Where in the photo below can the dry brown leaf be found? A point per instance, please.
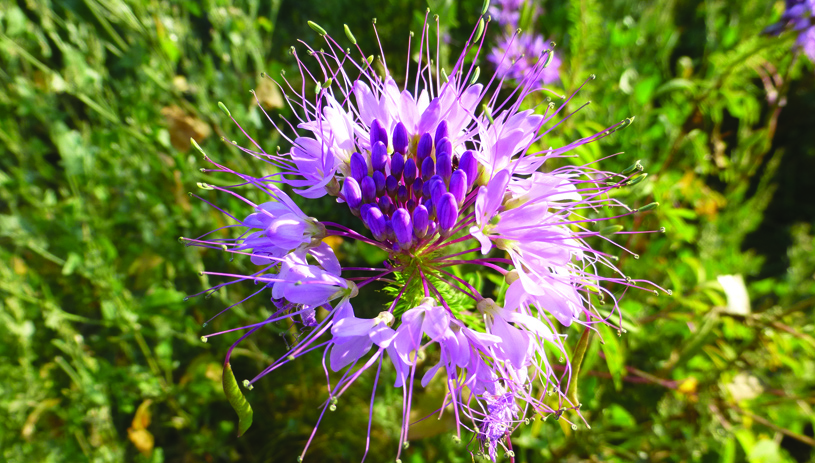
(138, 433)
(268, 94)
(183, 126)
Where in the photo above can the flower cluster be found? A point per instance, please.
(441, 182)
(799, 15)
(516, 52)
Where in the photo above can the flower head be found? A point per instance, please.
(443, 185)
(514, 56)
(799, 15)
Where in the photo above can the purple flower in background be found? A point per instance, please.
(444, 178)
(799, 15)
(514, 56)
(506, 13)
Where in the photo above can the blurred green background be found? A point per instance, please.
(100, 356)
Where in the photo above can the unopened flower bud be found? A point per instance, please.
(402, 194)
(421, 218)
(444, 165)
(428, 168)
(376, 222)
(469, 164)
(379, 156)
(443, 146)
(397, 165)
(368, 188)
(426, 189)
(359, 168)
(410, 171)
(379, 181)
(447, 212)
(363, 213)
(385, 204)
(437, 189)
(418, 186)
(400, 138)
(352, 193)
(403, 227)
(458, 185)
(378, 133)
(441, 132)
(424, 148)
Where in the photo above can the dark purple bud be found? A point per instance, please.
(444, 165)
(410, 171)
(352, 193)
(426, 189)
(368, 188)
(428, 204)
(469, 164)
(410, 204)
(418, 184)
(376, 222)
(391, 184)
(432, 228)
(397, 165)
(379, 181)
(441, 132)
(379, 156)
(428, 168)
(458, 185)
(385, 204)
(420, 220)
(389, 228)
(363, 213)
(402, 194)
(378, 133)
(424, 148)
(400, 138)
(443, 146)
(437, 189)
(359, 168)
(403, 227)
(447, 212)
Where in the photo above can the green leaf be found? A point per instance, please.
(616, 415)
(615, 358)
(577, 362)
(237, 400)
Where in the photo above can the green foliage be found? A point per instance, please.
(102, 358)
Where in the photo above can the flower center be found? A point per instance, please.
(411, 190)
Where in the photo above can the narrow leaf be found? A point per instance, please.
(577, 362)
(237, 400)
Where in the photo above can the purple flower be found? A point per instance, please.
(506, 13)
(799, 16)
(436, 181)
(514, 57)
